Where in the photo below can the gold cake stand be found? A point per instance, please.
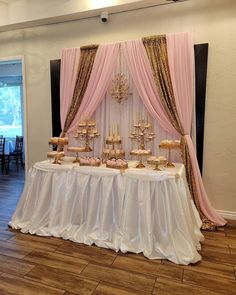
(169, 146)
(141, 155)
(78, 150)
(156, 161)
(57, 156)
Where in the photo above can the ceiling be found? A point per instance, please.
(18, 14)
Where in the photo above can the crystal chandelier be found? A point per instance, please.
(120, 85)
(120, 88)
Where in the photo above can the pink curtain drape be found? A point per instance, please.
(138, 64)
(180, 55)
(181, 65)
(100, 78)
(69, 68)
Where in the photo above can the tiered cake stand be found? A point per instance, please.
(114, 149)
(57, 155)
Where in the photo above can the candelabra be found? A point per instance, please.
(141, 135)
(86, 132)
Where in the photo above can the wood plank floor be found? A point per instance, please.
(44, 265)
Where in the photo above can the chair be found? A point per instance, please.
(17, 154)
(3, 156)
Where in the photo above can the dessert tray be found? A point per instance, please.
(117, 164)
(90, 161)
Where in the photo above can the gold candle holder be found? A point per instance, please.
(141, 135)
(86, 132)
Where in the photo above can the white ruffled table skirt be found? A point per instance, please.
(136, 211)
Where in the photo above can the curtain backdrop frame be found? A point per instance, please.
(201, 55)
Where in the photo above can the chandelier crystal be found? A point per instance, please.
(120, 88)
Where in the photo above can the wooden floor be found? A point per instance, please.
(37, 265)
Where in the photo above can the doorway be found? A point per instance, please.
(12, 113)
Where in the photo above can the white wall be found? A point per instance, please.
(211, 21)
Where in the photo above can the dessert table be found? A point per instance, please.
(136, 210)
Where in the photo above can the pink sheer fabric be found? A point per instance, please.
(138, 64)
(181, 64)
(180, 54)
(69, 67)
(100, 78)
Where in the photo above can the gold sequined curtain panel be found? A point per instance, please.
(86, 62)
(206, 223)
(156, 49)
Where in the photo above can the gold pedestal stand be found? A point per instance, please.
(141, 155)
(56, 156)
(140, 164)
(76, 150)
(170, 145)
(156, 161)
(169, 163)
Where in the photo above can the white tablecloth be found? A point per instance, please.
(137, 211)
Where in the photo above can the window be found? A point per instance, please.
(10, 111)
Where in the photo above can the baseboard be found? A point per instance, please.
(227, 214)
